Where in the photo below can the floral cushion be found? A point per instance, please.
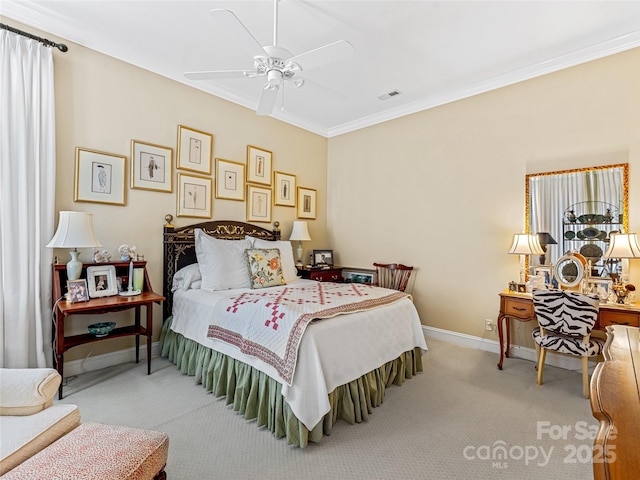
(265, 267)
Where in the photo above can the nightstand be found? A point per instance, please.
(330, 274)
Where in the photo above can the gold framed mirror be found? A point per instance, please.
(579, 208)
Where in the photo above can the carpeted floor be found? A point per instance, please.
(460, 419)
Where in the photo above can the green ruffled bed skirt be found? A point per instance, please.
(258, 396)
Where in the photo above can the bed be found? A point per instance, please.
(345, 356)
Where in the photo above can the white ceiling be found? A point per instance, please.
(433, 52)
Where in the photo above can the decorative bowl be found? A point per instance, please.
(101, 329)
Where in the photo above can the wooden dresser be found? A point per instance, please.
(615, 402)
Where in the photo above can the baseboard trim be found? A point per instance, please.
(98, 362)
(462, 339)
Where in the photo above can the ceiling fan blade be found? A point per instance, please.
(267, 100)
(324, 55)
(217, 74)
(238, 33)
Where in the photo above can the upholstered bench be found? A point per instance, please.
(95, 451)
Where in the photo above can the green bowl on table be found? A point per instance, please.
(101, 329)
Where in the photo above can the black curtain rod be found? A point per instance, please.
(60, 46)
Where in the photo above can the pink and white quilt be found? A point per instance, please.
(269, 323)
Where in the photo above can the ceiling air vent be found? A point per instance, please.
(386, 96)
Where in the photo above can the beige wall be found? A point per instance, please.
(443, 189)
(103, 103)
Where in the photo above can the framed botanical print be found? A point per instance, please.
(258, 204)
(194, 150)
(285, 189)
(307, 203)
(258, 165)
(194, 196)
(151, 166)
(229, 180)
(100, 177)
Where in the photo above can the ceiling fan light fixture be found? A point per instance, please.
(274, 77)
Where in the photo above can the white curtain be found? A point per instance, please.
(27, 198)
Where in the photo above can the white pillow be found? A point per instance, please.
(222, 262)
(187, 277)
(289, 270)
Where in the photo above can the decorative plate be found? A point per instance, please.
(591, 251)
(587, 218)
(569, 234)
(591, 232)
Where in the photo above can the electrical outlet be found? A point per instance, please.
(488, 325)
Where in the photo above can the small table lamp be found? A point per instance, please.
(623, 246)
(300, 233)
(525, 244)
(75, 230)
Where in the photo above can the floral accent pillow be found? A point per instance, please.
(265, 267)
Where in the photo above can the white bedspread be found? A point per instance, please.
(333, 352)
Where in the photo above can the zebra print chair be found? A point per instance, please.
(565, 321)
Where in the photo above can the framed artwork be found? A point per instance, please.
(151, 166)
(102, 281)
(258, 204)
(258, 165)
(546, 272)
(229, 180)
(194, 196)
(359, 276)
(323, 258)
(194, 150)
(306, 203)
(100, 177)
(601, 287)
(78, 290)
(285, 189)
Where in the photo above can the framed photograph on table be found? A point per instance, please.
(194, 150)
(601, 287)
(194, 196)
(151, 166)
(544, 271)
(100, 177)
(306, 203)
(285, 189)
(258, 204)
(102, 281)
(323, 258)
(229, 180)
(77, 290)
(258, 165)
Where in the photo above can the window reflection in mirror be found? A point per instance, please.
(579, 209)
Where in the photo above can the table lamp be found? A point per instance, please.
(525, 244)
(300, 232)
(75, 230)
(623, 246)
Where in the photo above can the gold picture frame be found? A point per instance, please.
(99, 177)
(195, 149)
(194, 196)
(307, 203)
(284, 185)
(229, 180)
(258, 204)
(258, 165)
(151, 166)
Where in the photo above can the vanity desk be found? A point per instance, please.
(519, 306)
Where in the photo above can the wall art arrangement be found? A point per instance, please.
(194, 150)
(100, 177)
(151, 166)
(229, 180)
(194, 196)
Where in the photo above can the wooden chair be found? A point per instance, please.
(392, 275)
(565, 320)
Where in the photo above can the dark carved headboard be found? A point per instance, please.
(179, 246)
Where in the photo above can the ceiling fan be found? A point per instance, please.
(273, 62)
